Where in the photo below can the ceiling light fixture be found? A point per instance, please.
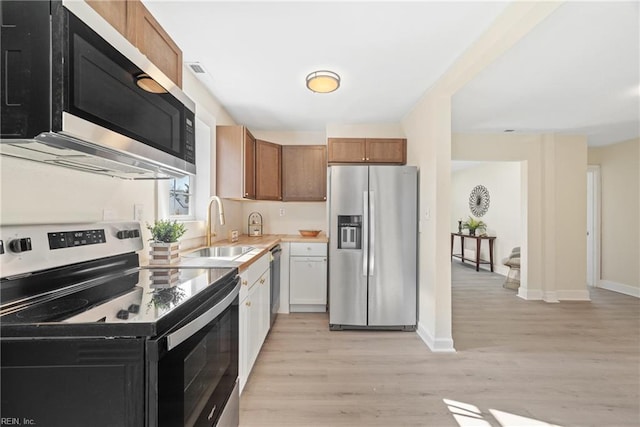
(145, 82)
(323, 81)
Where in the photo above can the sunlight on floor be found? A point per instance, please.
(467, 415)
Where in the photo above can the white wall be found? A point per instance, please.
(503, 218)
(620, 211)
(365, 130)
(35, 193)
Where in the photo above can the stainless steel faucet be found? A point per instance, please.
(220, 216)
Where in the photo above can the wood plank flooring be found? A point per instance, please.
(517, 363)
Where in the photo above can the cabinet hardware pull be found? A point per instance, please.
(248, 303)
(262, 281)
(244, 283)
(363, 159)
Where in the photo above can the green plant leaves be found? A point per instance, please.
(166, 231)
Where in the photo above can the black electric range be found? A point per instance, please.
(76, 307)
(107, 296)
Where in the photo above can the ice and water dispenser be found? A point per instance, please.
(350, 231)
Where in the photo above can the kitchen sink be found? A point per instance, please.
(226, 252)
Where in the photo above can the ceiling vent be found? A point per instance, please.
(197, 68)
(201, 73)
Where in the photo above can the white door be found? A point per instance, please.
(593, 225)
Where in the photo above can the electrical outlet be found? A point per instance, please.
(281, 211)
(138, 212)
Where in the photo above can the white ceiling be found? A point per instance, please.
(577, 72)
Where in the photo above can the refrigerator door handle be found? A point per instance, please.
(372, 233)
(365, 232)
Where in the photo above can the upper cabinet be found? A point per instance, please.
(304, 173)
(368, 150)
(154, 42)
(132, 19)
(235, 162)
(247, 168)
(115, 13)
(268, 171)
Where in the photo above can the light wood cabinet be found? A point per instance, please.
(115, 13)
(134, 21)
(304, 173)
(235, 162)
(346, 150)
(367, 150)
(308, 277)
(268, 171)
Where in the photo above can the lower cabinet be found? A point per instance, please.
(255, 312)
(308, 277)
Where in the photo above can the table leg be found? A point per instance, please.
(491, 254)
(462, 248)
(478, 241)
(452, 247)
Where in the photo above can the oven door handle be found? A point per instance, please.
(177, 337)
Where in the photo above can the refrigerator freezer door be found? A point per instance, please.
(393, 253)
(348, 186)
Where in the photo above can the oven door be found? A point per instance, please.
(197, 375)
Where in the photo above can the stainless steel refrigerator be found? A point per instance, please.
(373, 247)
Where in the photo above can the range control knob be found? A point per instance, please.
(128, 234)
(20, 245)
(1, 247)
(122, 314)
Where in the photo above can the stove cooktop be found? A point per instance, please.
(134, 303)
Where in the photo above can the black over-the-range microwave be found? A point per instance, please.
(76, 93)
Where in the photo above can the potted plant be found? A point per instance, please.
(165, 248)
(473, 224)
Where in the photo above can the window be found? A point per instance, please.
(181, 197)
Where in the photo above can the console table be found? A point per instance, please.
(478, 240)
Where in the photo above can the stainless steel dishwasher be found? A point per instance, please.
(276, 251)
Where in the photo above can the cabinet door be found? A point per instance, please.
(154, 42)
(254, 338)
(249, 165)
(264, 312)
(308, 280)
(304, 173)
(235, 162)
(386, 150)
(243, 342)
(268, 171)
(115, 13)
(346, 150)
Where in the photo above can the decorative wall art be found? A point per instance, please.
(479, 200)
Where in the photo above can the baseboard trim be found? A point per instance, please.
(529, 294)
(620, 288)
(550, 296)
(307, 308)
(582, 295)
(440, 345)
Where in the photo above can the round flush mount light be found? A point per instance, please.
(323, 81)
(146, 83)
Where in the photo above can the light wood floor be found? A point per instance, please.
(517, 362)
